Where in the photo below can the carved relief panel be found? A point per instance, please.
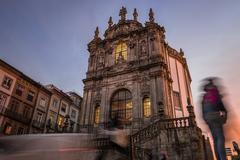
(145, 84)
(101, 60)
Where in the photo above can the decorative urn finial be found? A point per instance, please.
(181, 52)
(122, 14)
(135, 14)
(96, 33)
(110, 22)
(151, 15)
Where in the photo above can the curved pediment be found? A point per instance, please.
(122, 28)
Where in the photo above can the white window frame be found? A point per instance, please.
(7, 82)
(42, 102)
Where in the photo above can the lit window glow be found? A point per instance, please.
(146, 107)
(121, 50)
(97, 115)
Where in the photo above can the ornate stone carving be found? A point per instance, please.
(151, 15)
(121, 84)
(181, 52)
(131, 44)
(100, 60)
(110, 22)
(145, 87)
(156, 73)
(135, 14)
(143, 48)
(96, 33)
(122, 14)
(98, 95)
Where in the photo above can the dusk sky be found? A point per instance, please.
(47, 40)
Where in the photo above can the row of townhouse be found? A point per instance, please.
(27, 106)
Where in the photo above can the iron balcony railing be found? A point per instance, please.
(15, 116)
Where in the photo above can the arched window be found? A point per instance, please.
(97, 114)
(121, 52)
(146, 107)
(121, 105)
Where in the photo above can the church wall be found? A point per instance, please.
(173, 69)
(180, 83)
(183, 88)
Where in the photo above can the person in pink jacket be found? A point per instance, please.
(215, 115)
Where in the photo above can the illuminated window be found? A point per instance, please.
(121, 52)
(146, 107)
(60, 121)
(97, 114)
(121, 105)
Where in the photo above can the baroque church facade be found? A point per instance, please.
(134, 75)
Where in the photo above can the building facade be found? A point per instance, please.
(74, 112)
(135, 76)
(27, 106)
(63, 112)
(134, 72)
(18, 112)
(38, 122)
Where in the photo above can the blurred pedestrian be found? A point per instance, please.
(118, 138)
(215, 115)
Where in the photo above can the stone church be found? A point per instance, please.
(134, 74)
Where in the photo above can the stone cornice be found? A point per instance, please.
(140, 68)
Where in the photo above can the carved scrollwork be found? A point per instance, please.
(156, 73)
(100, 61)
(131, 45)
(143, 48)
(145, 87)
(121, 84)
(98, 95)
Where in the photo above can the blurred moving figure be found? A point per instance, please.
(215, 115)
(118, 140)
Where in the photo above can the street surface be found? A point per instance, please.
(47, 146)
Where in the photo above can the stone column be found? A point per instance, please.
(103, 105)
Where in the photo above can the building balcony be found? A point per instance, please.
(38, 124)
(15, 116)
